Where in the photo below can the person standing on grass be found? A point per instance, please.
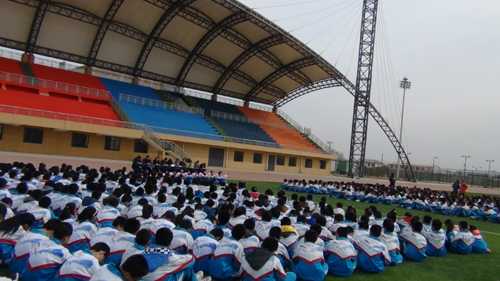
(463, 187)
(456, 187)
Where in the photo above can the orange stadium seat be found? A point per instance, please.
(279, 133)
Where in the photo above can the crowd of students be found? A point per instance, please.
(453, 203)
(87, 224)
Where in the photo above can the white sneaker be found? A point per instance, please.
(207, 278)
(199, 275)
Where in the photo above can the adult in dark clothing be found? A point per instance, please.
(392, 180)
(456, 187)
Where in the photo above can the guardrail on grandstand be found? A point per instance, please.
(196, 94)
(245, 119)
(261, 107)
(307, 132)
(32, 81)
(166, 145)
(160, 104)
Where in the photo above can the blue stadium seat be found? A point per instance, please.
(209, 105)
(116, 88)
(176, 120)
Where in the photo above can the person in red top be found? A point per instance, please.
(254, 194)
(463, 187)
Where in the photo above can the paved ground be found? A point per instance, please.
(233, 174)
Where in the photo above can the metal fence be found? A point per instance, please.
(160, 104)
(472, 178)
(59, 86)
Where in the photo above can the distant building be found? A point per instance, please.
(370, 163)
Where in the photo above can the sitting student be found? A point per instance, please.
(308, 261)
(182, 240)
(415, 243)
(109, 213)
(325, 234)
(26, 244)
(301, 226)
(167, 220)
(104, 233)
(122, 240)
(391, 241)
(436, 239)
(83, 230)
(223, 219)
(226, 260)
(83, 264)
(142, 241)
(282, 252)
(340, 255)
(203, 249)
(289, 235)
(11, 230)
(262, 264)
(479, 246)
(134, 268)
(262, 227)
(49, 255)
(450, 233)
(250, 241)
(462, 242)
(164, 263)
(373, 254)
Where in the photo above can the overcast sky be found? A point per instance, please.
(448, 49)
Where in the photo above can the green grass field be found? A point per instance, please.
(450, 267)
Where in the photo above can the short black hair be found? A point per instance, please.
(223, 218)
(44, 202)
(101, 246)
(238, 231)
(249, 224)
(388, 225)
(266, 215)
(302, 219)
(286, 221)
(217, 232)
(311, 236)
(317, 227)
(417, 226)
(376, 230)
(275, 232)
(62, 230)
(342, 232)
(437, 224)
(143, 237)
(132, 226)
(164, 237)
(363, 225)
(51, 224)
(119, 221)
(427, 219)
(136, 265)
(270, 244)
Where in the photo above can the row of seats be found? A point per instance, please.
(68, 77)
(10, 66)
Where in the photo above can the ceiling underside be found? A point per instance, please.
(218, 46)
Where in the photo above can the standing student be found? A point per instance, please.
(340, 254)
(48, 256)
(463, 187)
(373, 254)
(261, 264)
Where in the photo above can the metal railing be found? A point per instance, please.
(65, 87)
(230, 101)
(245, 119)
(196, 94)
(159, 104)
(261, 107)
(166, 145)
(10, 54)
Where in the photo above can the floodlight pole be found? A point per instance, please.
(465, 165)
(405, 84)
(489, 165)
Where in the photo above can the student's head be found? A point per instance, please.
(437, 224)
(417, 226)
(49, 227)
(88, 214)
(132, 226)
(342, 232)
(321, 220)
(275, 232)
(63, 232)
(100, 251)
(270, 243)
(238, 231)
(164, 237)
(143, 237)
(376, 230)
(119, 223)
(217, 233)
(427, 219)
(363, 224)
(266, 215)
(350, 216)
(302, 219)
(11, 225)
(463, 225)
(450, 225)
(311, 236)
(316, 227)
(388, 225)
(249, 224)
(134, 268)
(223, 218)
(377, 214)
(286, 221)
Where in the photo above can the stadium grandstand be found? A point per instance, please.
(172, 79)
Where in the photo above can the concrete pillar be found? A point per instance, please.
(135, 80)
(246, 104)
(29, 58)
(214, 97)
(275, 110)
(88, 70)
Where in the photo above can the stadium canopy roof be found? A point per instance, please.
(218, 46)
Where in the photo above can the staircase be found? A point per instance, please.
(28, 72)
(162, 145)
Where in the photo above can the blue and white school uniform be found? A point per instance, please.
(107, 216)
(301, 228)
(134, 250)
(82, 233)
(462, 242)
(373, 255)
(391, 241)
(341, 257)
(158, 224)
(479, 246)
(81, 266)
(166, 265)
(181, 241)
(290, 242)
(249, 243)
(108, 272)
(226, 260)
(103, 234)
(415, 245)
(436, 241)
(202, 251)
(308, 262)
(262, 229)
(23, 248)
(45, 260)
(235, 221)
(118, 244)
(7, 243)
(270, 271)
